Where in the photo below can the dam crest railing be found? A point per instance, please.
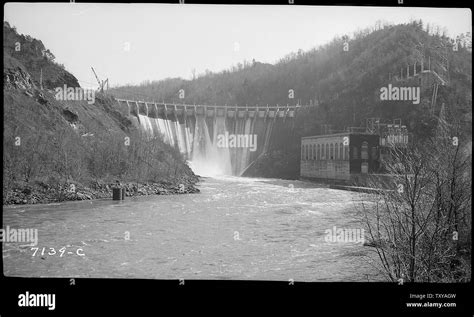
(170, 110)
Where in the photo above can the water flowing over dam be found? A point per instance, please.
(216, 140)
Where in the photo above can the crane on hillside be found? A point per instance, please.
(101, 83)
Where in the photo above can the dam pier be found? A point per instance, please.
(196, 130)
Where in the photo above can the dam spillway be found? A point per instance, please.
(215, 140)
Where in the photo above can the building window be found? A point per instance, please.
(307, 152)
(318, 153)
(327, 152)
(346, 151)
(364, 168)
(312, 152)
(364, 151)
(331, 156)
(355, 154)
(341, 151)
(374, 153)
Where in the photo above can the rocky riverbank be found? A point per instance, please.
(39, 192)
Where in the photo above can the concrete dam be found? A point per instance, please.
(215, 140)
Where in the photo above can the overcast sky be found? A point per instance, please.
(170, 40)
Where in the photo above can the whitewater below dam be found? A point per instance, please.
(197, 138)
(235, 229)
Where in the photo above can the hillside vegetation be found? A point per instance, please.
(64, 150)
(343, 87)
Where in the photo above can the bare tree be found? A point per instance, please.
(419, 221)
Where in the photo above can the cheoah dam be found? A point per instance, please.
(216, 140)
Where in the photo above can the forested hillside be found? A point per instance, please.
(343, 86)
(57, 150)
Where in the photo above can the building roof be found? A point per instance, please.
(336, 134)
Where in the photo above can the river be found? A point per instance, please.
(235, 229)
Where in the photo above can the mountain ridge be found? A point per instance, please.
(343, 86)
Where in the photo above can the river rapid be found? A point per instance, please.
(235, 229)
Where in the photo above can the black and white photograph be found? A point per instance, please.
(187, 143)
